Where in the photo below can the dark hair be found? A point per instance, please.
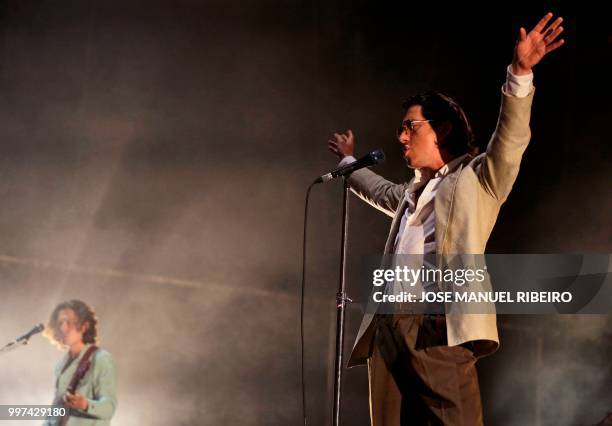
(84, 313)
(441, 108)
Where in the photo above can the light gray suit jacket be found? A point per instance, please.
(466, 207)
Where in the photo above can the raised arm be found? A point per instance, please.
(512, 134)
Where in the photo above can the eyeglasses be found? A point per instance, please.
(409, 125)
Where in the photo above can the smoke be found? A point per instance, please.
(549, 370)
(153, 163)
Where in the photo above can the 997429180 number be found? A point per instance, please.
(36, 412)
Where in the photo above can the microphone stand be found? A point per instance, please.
(341, 302)
(14, 345)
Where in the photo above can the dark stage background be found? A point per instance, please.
(153, 162)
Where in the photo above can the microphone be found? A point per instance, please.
(374, 157)
(23, 340)
(37, 329)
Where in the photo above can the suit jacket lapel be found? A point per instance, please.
(397, 220)
(443, 204)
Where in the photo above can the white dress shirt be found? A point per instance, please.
(416, 234)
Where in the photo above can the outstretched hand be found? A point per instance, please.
(531, 48)
(342, 144)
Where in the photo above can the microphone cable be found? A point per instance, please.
(302, 299)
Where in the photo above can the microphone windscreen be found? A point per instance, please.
(378, 156)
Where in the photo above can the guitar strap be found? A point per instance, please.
(82, 369)
(80, 372)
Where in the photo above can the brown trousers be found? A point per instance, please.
(416, 379)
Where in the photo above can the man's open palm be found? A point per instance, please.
(532, 47)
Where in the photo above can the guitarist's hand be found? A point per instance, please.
(76, 400)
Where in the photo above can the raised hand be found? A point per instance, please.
(342, 144)
(531, 48)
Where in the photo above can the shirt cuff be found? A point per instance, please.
(518, 85)
(346, 160)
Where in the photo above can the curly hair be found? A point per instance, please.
(441, 108)
(84, 313)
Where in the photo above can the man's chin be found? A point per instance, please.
(409, 163)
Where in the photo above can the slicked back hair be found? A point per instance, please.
(441, 108)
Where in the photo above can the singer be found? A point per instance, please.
(85, 378)
(421, 368)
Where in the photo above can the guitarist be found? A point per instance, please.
(85, 377)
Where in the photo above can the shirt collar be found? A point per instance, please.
(451, 166)
(83, 350)
(424, 175)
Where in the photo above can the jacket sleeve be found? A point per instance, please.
(104, 401)
(500, 165)
(377, 191)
